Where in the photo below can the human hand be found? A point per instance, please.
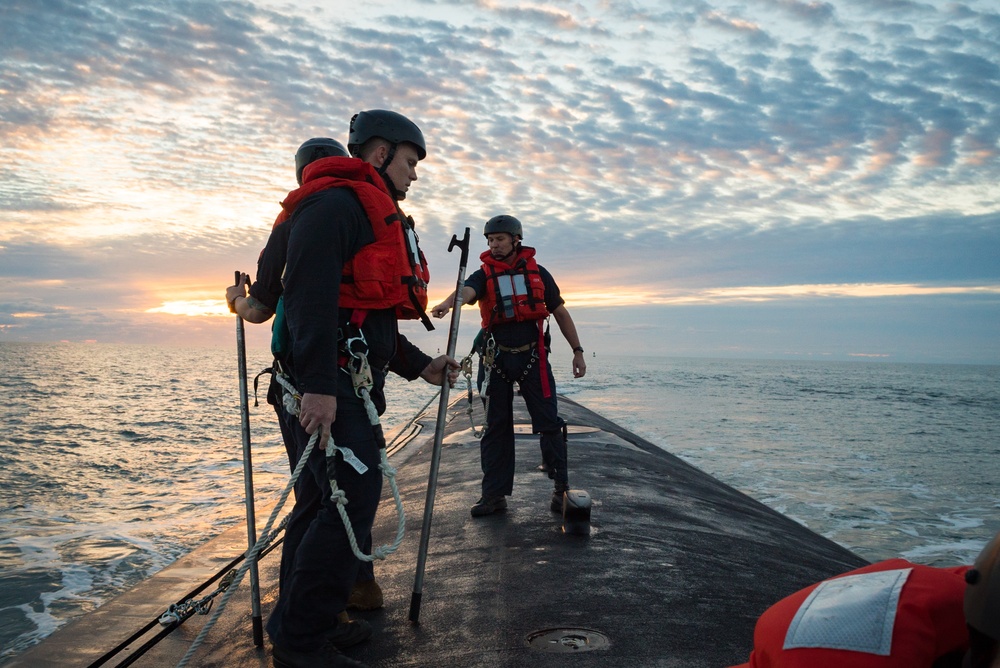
(235, 291)
(579, 365)
(441, 310)
(434, 372)
(318, 411)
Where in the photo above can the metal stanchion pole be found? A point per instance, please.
(425, 533)
(241, 358)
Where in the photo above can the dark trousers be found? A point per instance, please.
(318, 567)
(308, 501)
(497, 445)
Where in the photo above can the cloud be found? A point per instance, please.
(701, 147)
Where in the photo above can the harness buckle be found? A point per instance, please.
(355, 349)
(361, 374)
(357, 345)
(489, 355)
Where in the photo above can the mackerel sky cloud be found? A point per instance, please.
(767, 178)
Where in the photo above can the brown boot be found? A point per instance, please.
(366, 595)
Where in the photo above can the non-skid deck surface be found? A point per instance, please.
(675, 571)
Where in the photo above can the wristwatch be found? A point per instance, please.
(578, 349)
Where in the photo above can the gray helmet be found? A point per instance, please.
(503, 223)
(394, 128)
(982, 595)
(314, 149)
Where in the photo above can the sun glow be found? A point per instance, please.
(632, 297)
(196, 308)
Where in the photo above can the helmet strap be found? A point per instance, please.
(388, 159)
(396, 195)
(513, 250)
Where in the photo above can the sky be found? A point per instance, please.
(765, 179)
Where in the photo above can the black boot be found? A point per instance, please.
(557, 497)
(327, 656)
(489, 505)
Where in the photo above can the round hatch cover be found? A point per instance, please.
(567, 640)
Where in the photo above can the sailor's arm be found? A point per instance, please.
(244, 305)
(442, 309)
(568, 329)
(410, 362)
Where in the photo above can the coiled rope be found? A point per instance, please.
(252, 555)
(292, 400)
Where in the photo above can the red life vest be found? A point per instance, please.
(392, 271)
(929, 623)
(514, 291)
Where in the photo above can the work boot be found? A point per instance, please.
(349, 632)
(326, 656)
(366, 595)
(488, 506)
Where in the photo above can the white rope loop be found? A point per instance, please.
(251, 557)
(291, 401)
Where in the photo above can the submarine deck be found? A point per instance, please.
(674, 572)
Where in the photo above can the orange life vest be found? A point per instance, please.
(392, 271)
(928, 623)
(514, 291)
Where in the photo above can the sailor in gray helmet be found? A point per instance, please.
(516, 296)
(314, 149)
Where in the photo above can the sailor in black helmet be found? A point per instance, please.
(344, 220)
(259, 305)
(388, 130)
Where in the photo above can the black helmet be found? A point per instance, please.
(394, 128)
(504, 223)
(314, 149)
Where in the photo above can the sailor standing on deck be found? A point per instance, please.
(893, 614)
(350, 274)
(516, 296)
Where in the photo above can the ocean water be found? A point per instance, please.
(115, 460)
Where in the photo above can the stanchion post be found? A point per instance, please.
(241, 361)
(425, 533)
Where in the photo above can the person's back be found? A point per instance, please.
(853, 620)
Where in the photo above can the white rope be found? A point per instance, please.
(336, 495)
(251, 557)
(383, 551)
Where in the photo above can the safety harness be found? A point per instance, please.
(488, 351)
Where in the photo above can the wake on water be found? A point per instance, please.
(119, 459)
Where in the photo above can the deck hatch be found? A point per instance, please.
(568, 640)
